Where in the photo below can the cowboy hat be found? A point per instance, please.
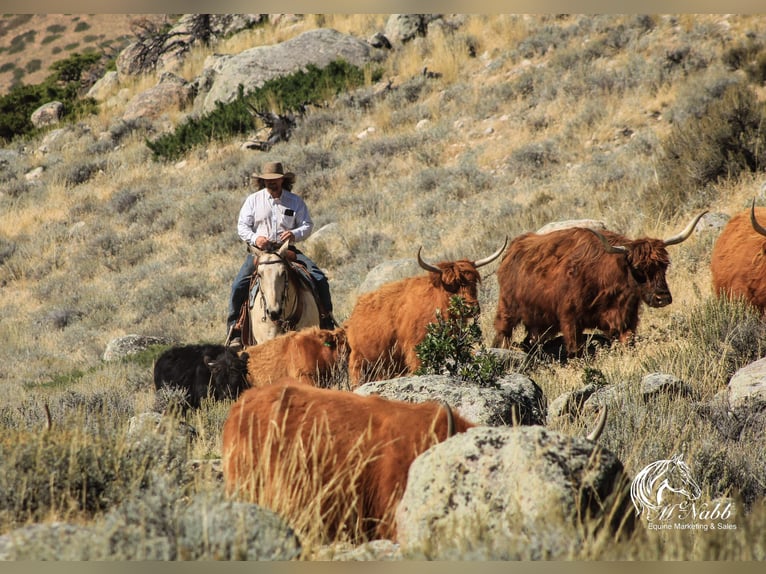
(275, 170)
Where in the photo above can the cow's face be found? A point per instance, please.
(332, 342)
(461, 278)
(227, 373)
(648, 261)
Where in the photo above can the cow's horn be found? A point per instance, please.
(757, 226)
(427, 266)
(607, 246)
(684, 235)
(450, 420)
(596, 433)
(492, 257)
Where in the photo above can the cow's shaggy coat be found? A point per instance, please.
(201, 371)
(350, 452)
(568, 280)
(387, 324)
(308, 356)
(738, 261)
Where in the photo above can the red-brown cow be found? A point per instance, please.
(577, 278)
(288, 446)
(308, 355)
(738, 262)
(386, 325)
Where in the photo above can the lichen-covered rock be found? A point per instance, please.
(509, 493)
(515, 398)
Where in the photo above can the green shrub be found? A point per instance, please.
(292, 91)
(454, 346)
(721, 143)
(17, 106)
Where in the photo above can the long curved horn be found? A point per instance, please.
(608, 246)
(427, 266)
(450, 419)
(596, 433)
(492, 257)
(757, 226)
(684, 235)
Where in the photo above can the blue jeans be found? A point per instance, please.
(241, 285)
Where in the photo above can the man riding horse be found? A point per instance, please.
(270, 217)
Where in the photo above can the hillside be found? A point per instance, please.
(528, 119)
(30, 43)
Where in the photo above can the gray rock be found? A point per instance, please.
(104, 87)
(170, 92)
(712, 222)
(130, 345)
(54, 541)
(508, 493)
(570, 404)
(557, 225)
(328, 244)
(388, 271)
(655, 384)
(228, 530)
(253, 67)
(515, 398)
(47, 114)
(375, 550)
(747, 387)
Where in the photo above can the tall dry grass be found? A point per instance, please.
(552, 117)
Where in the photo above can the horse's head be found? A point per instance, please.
(271, 267)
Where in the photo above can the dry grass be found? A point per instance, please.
(556, 117)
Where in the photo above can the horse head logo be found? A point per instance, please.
(659, 479)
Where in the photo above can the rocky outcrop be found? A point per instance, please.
(170, 92)
(252, 68)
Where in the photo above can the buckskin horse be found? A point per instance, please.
(284, 301)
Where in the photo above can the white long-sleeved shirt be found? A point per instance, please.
(262, 215)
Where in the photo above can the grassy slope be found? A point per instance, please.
(555, 118)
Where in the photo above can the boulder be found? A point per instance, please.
(516, 397)
(170, 92)
(255, 66)
(47, 114)
(388, 271)
(131, 344)
(747, 387)
(510, 493)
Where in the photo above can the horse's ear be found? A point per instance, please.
(677, 458)
(254, 250)
(283, 249)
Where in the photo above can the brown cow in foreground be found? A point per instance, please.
(577, 278)
(738, 261)
(308, 356)
(349, 454)
(386, 325)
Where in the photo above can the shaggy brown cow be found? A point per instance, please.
(308, 356)
(386, 325)
(577, 278)
(346, 452)
(738, 262)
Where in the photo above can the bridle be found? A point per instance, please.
(289, 322)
